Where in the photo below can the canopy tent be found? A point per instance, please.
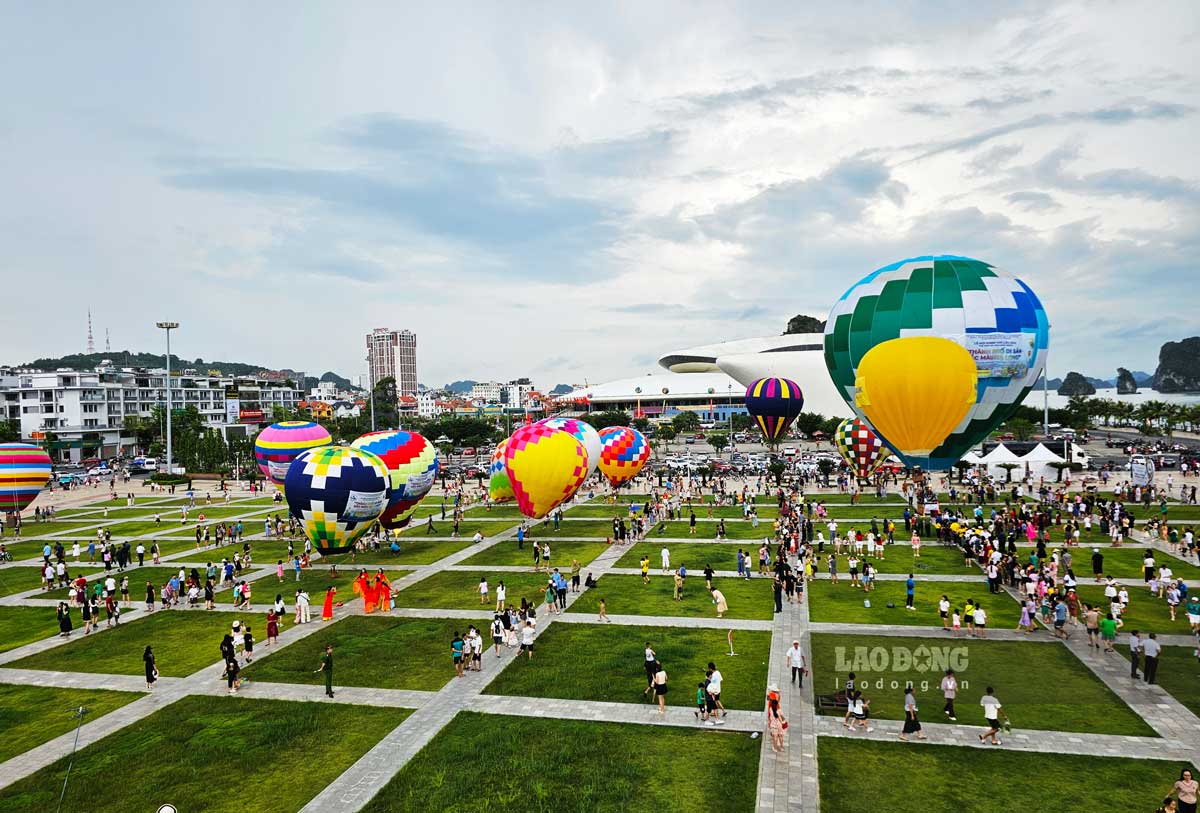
(994, 459)
(1039, 461)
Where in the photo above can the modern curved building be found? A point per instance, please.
(798, 356)
(711, 379)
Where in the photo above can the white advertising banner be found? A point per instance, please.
(362, 505)
(1000, 355)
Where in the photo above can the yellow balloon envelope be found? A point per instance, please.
(915, 391)
(545, 466)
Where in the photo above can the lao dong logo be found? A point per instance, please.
(876, 660)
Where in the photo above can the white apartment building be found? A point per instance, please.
(487, 392)
(86, 410)
(393, 353)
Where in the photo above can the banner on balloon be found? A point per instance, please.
(364, 505)
(1000, 355)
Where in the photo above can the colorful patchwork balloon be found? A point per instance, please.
(774, 403)
(336, 492)
(859, 446)
(585, 432)
(499, 488)
(412, 464)
(995, 317)
(280, 443)
(623, 453)
(24, 471)
(545, 466)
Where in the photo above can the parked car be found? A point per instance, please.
(469, 451)
(689, 440)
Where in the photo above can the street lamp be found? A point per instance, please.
(168, 326)
(371, 391)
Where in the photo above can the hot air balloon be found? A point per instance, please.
(584, 432)
(915, 391)
(774, 403)
(279, 444)
(412, 464)
(336, 492)
(24, 470)
(859, 446)
(499, 488)
(623, 454)
(545, 466)
(994, 316)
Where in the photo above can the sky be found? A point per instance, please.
(567, 191)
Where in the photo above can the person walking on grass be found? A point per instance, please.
(483, 590)
(1185, 791)
(910, 587)
(645, 565)
(604, 613)
(327, 668)
(1135, 653)
(527, 633)
(719, 599)
(911, 724)
(660, 688)
(714, 690)
(991, 713)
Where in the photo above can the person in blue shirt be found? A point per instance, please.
(910, 587)
(521, 536)
(456, 651)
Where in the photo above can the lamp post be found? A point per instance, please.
(371, 391)
(168, 327)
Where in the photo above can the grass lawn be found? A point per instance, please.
(24, 625)
(1124, 563)
(1143, 613)
(1178, 673)
(1065, 696)
(466, 528)
(615, 672)
(600, 528)
(138, 576)
(195, 740)
(707, 529)
(626, 595)
(459, 590)
(561, 554)
(19, 579)
(899, 559)
(316, 580)
(544, 764)
(169, 524)
(358, 643)
(727, 511)
(32, 715)
(412, 552)
(690, 555)
(34, 530)
(911, 778)
(184, 641)
(843, 604)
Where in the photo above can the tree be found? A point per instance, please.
(741, 421)
(10, 431)
(1020, 428)
(962, 467)
(1008, 470)
(809, 422)
(718, 440)
(777, 468)
(640, 424)
(666, 432)
(686, 422)
(1058, 466)
(825, 466)
(603, 420)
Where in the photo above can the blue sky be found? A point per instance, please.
(568, 191)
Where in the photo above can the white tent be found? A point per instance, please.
(1002, 454)
(1039, 459)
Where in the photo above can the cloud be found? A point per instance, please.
(1140, 110)
(990, 160)
(1033, 201)
(1051, 171)
(1007, 100)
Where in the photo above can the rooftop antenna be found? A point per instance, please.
(91, 345)
(107, 341)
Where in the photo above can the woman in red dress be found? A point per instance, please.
(327, 609)
(272, 626)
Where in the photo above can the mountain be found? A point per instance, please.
(460, 387)
(561, 389)
(804, 324)
(1076, 384)
(1178, 366)
(1143, 379)
(130, 358)
(1126, 384)
(310, 382)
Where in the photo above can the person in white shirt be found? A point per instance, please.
(483, 590)
(797, 663)
(949, 692)
(666, 560)
(991, 713)
(944, 612)
(501, 595)
(714, 689)
(302, 607)
(527, 633)
(1151, 648)
(980, 622)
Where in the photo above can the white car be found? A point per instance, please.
(789, 451)
(99, 471)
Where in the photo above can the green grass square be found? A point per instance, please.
(183, 755)
(459, 590)
(561, 554)
(843, 604)
(627, 595)
(32, 715)
(1065, 696)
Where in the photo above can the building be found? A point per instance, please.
(712, 396)
(486, 392)
(393, 353)
(517, 393)
(82, 414)
(796, 356)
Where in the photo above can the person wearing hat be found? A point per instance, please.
(776, 723)
(799, 666)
